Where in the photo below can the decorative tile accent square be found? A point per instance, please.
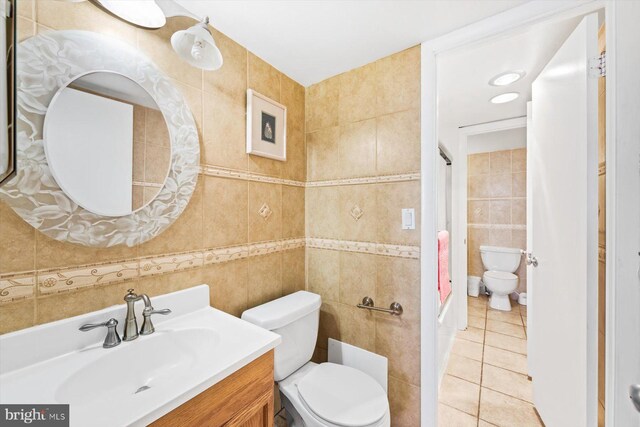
(265, 211)
(356, 212)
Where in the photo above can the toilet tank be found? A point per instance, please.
(497, 258)
(295, 318)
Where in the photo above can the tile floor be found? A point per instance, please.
(486, 381)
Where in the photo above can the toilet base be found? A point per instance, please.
(499, 302)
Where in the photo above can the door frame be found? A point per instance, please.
(618, 271)
(459, 220)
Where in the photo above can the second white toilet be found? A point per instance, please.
(500, 264)
(316, 395)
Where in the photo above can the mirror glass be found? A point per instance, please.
(107, 144)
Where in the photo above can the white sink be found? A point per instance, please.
(157, 361)
(136, 382)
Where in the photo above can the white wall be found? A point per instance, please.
(509, 139)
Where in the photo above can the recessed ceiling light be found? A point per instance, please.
(507, 78)
(504, 97)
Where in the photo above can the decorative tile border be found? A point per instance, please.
(216, 256)
(17, 286)
(366, 180)
(152, 266)
(246, 176)
(400, 251)
(48, 282)
(55, 281)
(249, 176)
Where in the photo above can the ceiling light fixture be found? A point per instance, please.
(142, 13)
(507, 78)
(197, 47)
(504, 98)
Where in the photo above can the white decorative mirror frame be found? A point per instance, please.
(50, 61)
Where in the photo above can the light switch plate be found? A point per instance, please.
(408, 219)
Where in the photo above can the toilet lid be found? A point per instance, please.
(342, 395)
(500, 275)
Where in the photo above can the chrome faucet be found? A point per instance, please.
(131, 323)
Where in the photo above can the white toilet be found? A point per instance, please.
(500, 264)
(316, 395)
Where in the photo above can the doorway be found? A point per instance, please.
(488, 374)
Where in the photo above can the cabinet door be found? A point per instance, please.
(256, 414)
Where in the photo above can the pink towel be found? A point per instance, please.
(444, 285)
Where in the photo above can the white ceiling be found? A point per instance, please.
(315, 39)
(497, 141)
(463, 76)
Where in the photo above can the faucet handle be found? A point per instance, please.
(130, 296)
(147, 325)
(112, 339)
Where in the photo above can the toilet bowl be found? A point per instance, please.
(500, 264)
(501, 284)
(316, 395)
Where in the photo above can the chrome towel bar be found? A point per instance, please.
(395, 309)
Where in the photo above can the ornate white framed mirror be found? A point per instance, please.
(108, 150)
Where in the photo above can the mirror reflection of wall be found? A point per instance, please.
(107, 144)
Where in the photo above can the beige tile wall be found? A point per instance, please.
(497, 205)
(222, 212)
(362, 124)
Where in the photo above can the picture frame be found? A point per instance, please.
(266, 127)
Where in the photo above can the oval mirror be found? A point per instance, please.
(107, 143)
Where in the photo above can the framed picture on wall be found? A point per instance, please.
(266, 127)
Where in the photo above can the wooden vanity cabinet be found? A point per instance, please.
(243, 399)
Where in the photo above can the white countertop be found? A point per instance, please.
(192, 349)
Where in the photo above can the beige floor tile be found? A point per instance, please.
(460, 394)
(506, 328)
(483, 423)
(465, 368)
(472, 334)
(451, 417)
(477, 311)
(503, 410)
(505, 342)
(507, 382)
(505, 359)
(477, 302)
(505, 316)
(469, 349)
(477, 322)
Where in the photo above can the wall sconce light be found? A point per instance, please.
(197, 47)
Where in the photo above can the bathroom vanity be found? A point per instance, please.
(201, 367)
